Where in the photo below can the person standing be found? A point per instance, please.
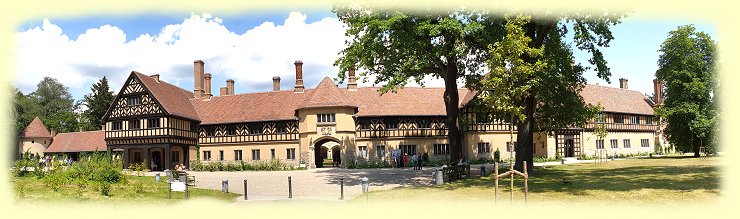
(405, 159)
(413, 161)
(421, 161)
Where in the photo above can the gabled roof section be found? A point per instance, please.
(78, 141)
(174, 100)
(250, 107)
(36, 129)
(409, 101)
(326, 94)
(617, 99)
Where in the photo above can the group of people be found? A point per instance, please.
(414, 161)
(48, 161)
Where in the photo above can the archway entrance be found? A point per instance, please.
(323, 155)
(156, 163)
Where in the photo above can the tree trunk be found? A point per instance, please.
(525, 137)
(451, 98)
(697, 148)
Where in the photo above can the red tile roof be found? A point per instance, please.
(174, 100)
(617, 99)
(326, 94)
(78, 141)
(36, 129)
(409, 101)
(250, 107)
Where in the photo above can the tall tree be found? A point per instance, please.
(544, 94)
(97, 103)
(687, 65)
(56, 106)
(398, 46)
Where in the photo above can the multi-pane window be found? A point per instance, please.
(238, 154)
(322, 118)
(510, 147)
(599, 144)
(626, 143)
(255, 154)
(152, 123)
(290, 154)
(231, 130)
(206, 155)
(634, 120)
(254, 129)
(221, 155)
(134, 124)
(117, 125)
(484, 147)
(614, 143)
(600, 118)
(648, 120)
(408, 149)
(133, 101)
(175, 156)
(482, 118)
(645, 143)
(281, 127)
(441, 149)
(618, 118)
(422, 123)
(364, 125)
(272, 154)
(362, 151)
(380, 150)
(391, 123)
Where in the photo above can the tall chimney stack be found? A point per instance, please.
(223, 91)
(198, 66)
(351, 81)
(658, 91)
(230, 87)
(207, 81)
(276, 83)
(155, 76)
(299, 76)
(623, 83)
(53, 132)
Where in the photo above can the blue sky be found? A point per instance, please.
(633, 53)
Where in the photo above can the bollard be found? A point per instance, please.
(225, 185)
(482, 171)
(341, 188)
(290, 188)
(440, 177)
(156, 177)
(365, 185)
(245, 189)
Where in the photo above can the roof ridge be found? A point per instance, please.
(164, 82)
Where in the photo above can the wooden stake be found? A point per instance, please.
(495, 183)
(526, 190)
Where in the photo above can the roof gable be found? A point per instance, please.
(326, 94)
(36, 129)
(174, 100)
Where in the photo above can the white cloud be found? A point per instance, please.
(250, 58)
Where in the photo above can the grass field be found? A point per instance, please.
(663, 180)
(150, 191)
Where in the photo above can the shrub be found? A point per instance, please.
(497, 156)
(104, 188)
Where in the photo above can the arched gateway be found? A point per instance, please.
(327, 148)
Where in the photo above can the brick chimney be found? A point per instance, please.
(623, 83)
(156, 77)
(299, 76)
(276, 83)
(351, 80)
(223, 91)
(207, 81)
(230, 87)
(82, 129)
(658, 91)
(53, 132)
(198, 70)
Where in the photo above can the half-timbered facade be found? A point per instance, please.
(159, 124)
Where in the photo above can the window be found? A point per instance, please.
(599, 144)
(626, 143)
(408, 149)
(221, 155)
(441, 149)
(362, 151)
(133, 124)
(231, 130)
(380, 151)
(645, 143)
(391, 123)
(256, 154)
(133, 101)
(137, 157)
(422, 123)
(600, 118)
(210, 131)
(281, 127)
(614, 144)
(649, 120)
(290, 154)
(484, 147)
(117, 125)
(510, 147)
(255, 129)
(482, 118)
(193, 127)
(364, 124)
(32, 141)
(326, 118)
(206, 155)
(175, 156)
(152, 123)
(634, 120)
(237, 154)
(618, 118)
(272, 153)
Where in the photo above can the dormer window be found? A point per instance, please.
(133, 101)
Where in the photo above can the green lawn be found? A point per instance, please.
(663, 180)
(150, 192)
